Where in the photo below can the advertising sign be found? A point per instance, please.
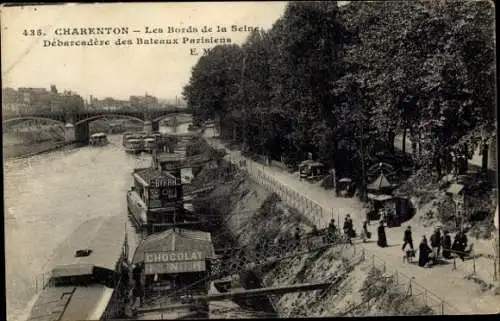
(163, 182)
(159, 257)
(174, 267)
(174, 262)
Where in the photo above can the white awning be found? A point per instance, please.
(380, 198)
(455, 189)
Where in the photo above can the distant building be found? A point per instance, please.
(108, 104)
(27, 100)
(143, 102)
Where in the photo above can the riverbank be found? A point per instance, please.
(256, 216)
(448, 282)
(28, 150)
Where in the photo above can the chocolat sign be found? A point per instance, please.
(160, 257)
(174, 262)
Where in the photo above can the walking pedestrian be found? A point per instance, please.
(382, 240)
(407, 238)
(330, 236)
(446, 243)
(366, 233)
(125, 277)
(348, 228)
(423, 252)
(436, 242)
(460, 244)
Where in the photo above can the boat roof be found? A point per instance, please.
(146, 175)
(180, 240)
(133, 140)
(71, 303)
(98, 135)
(104, 236)
(168, 157)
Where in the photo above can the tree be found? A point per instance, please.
(213, 83)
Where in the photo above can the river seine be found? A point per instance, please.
(48, 196)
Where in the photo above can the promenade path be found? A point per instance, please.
(450, 285)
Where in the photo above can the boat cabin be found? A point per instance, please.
(149, 144)
(155, 199)
(176, 262)
(133, 144)
(98, 139)
(168, 162)
(86, 274)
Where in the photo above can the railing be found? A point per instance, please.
(471, 268)
(236, 260)
(316, 213)
(411, 288)
(42, 281)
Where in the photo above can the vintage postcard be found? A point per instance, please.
(249, 159)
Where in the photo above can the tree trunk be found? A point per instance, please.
(404, 140)
(437, 160)
(391, 138)
(485, 154)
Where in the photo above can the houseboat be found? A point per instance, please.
(155, 201)
(98, 139)
(133, 144)
(176, 266)
(126, 136)
(149, 143)
(86, 274)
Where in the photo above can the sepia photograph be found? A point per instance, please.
(254, 160)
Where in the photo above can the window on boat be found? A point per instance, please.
(169, 192)
(105, 277)
(76, 280)
(102, 276)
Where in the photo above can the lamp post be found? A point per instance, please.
(363, 195)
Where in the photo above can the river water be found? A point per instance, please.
(48, 196)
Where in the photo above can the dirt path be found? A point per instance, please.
(449, 285)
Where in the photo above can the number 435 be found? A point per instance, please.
(33, 32)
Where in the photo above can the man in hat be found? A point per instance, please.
(407, 238)
(436, 242)
(348, 228)
(446, 243)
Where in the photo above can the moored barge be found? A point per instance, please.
(87, 274)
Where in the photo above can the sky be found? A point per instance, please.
(118, 71)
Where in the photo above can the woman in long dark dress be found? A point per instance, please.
(382, 240)
(446, 245)
(423, 252)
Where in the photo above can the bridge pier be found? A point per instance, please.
(148, 126)
(82, 132)
(69, 133)
(155, 126)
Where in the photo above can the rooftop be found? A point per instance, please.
(180, 240)
(103, 236)
(149, 174)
